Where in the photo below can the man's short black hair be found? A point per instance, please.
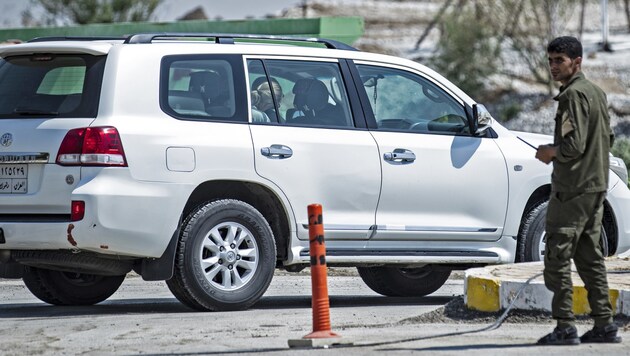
(567, 45)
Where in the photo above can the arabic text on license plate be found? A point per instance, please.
(13, 178)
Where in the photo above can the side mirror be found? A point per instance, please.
(481, 120)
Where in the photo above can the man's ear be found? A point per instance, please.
(578, 61)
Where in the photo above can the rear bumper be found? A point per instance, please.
(34, 236)
(122, 217)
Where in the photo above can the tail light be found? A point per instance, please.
(92, 146)
(77, 210)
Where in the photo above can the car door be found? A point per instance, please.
(310, 146)
(439, 181)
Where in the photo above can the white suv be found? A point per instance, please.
(192, 158)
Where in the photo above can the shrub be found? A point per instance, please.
(467, 52)
(621, 149)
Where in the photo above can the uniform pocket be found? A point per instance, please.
(564, 212)
(559, 246)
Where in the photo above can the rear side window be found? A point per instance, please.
(45, 85)
(203, 87)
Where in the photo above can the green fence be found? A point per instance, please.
(344, 29)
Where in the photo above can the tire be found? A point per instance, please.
(403, 282)
(531, 246)
(69, 288)
(225, 257)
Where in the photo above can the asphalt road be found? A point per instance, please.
(144, 318)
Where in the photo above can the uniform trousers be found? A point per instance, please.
(573, 231)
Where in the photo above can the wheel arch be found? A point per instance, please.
(609, 221)
(539, 195)
(260, 197)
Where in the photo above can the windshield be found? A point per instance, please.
(49, 85)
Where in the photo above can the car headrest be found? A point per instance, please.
(207, 83)
(311, 93)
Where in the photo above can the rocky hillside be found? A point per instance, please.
(393, 27)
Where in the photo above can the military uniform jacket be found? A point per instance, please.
(583, 137)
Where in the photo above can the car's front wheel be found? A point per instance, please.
(531, 239)
(404, 282)
(225, 258)
(70, 288)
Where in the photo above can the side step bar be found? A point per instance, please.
(354, 256)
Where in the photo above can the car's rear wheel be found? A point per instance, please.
(70, 288)
(531, 240)
(225, 257)
(404, 282)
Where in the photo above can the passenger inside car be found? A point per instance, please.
(311, 106)
(263, 97)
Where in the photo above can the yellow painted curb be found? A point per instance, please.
(482, 294)
(580, 300)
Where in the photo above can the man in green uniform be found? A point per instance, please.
(579, 181)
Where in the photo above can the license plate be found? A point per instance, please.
(13, 178)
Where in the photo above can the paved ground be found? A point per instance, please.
(143, 318)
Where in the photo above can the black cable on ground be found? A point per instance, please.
(492, 326)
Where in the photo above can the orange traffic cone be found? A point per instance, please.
(319, 284)
(322, 335)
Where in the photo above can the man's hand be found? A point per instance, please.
(546, 153)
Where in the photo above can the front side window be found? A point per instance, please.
(301, 93)
(200, 88)
(50, 85)
(404, 101)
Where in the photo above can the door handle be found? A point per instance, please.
(400, 155)
(277, 151)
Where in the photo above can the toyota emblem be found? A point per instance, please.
(6, 140)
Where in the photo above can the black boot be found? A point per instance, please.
(603, 334)
(561, 336)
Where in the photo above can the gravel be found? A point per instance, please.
(456, 312)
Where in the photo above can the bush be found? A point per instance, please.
(467, 52)
(621, 149)
(510, 111)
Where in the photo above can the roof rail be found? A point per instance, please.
(228, 38)
(77, 38)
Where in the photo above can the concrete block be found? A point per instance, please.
(482, 293)
(534, 296)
